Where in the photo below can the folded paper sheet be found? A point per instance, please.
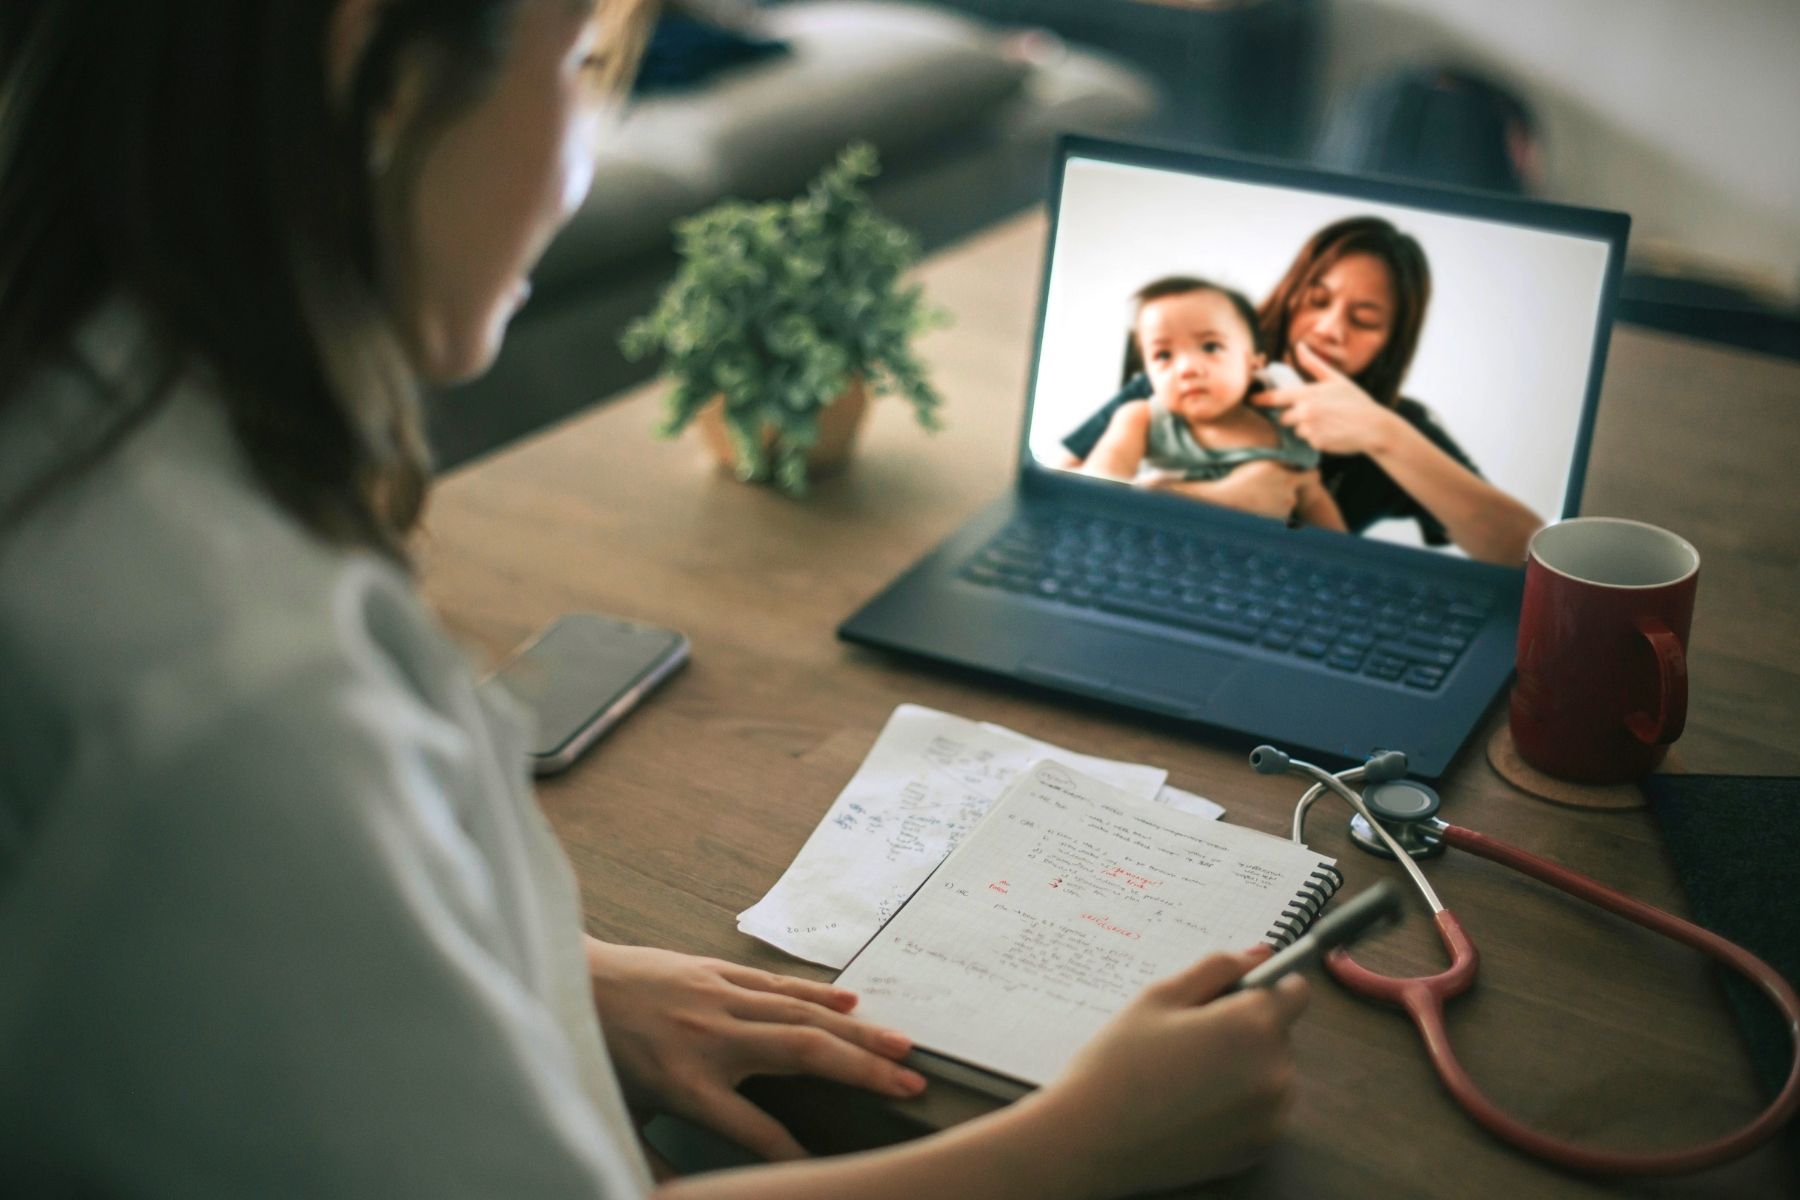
(926, 782)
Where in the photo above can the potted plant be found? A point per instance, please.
(782, 319)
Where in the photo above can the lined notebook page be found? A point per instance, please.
(1068, 898)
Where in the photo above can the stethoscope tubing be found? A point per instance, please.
(1423, 997)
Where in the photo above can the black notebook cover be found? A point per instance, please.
(1735, 841)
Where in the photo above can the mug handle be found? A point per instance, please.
(1671, 687)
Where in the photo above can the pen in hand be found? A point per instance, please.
(1378, 906)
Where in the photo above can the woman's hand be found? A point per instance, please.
(685, 1031)
(1317, 506)
(1175, 1089)
(1263, 488)
(1338, 417)
(1332, 414)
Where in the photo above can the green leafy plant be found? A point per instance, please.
(777, 307)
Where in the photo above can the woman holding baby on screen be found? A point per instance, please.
(1227, 419)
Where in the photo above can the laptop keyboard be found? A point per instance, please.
(1406, 632)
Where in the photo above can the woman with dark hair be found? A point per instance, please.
(278, 913)
(1348, 314)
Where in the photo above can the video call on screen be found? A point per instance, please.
(1500, 361)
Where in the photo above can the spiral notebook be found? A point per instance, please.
(1056, 909)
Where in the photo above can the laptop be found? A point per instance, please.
(1118, 569)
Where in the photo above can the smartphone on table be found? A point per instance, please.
(580, 676)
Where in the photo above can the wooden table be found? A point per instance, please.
(693, 808)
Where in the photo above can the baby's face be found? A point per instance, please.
(1198, 353)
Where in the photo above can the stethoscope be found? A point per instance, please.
(1397, 818)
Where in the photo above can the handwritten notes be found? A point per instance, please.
(1068, 899)
(929, 778)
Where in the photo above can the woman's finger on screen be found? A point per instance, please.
(1281, 397)
(1316, 364)
(1292, 414)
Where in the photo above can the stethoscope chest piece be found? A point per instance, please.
(1409, 811)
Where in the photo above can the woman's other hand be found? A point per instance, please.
(1175, 1089)
(1332, 413)
(1317, 506)
(1264, 489)
(685, 1031)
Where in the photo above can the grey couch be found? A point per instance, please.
(965, 116)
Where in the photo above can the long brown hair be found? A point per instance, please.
(1407, 269)
(192, 158)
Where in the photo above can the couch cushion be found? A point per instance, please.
(1072, 90)
(909, 78)
(627, 213)
(898, 75)
(685, 51)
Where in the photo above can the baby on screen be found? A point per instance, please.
(1201, 351)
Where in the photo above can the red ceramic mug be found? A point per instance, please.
(1603, 636)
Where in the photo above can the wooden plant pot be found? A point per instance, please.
(839, 423)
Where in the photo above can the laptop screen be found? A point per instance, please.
(1381, 366)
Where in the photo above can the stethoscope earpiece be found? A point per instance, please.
(1385, 765)
(1267, 760)
(1380, 767)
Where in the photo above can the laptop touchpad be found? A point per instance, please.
(1167, 676)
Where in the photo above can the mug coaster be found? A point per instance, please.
(1503, 756)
